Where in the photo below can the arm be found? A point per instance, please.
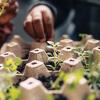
(49, 11)
(42, 28)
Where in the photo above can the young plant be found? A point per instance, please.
(82, 35)
(76, 76)
(13, 93)
(11, 64)
(7, 90)
(91, 68)
(60, 78)
(92, 96)
(92, 74)
(85, 56)
(55, 56)
(50, 97)
(73, 79)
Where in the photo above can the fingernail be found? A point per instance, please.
(29, 18)
(50, 39)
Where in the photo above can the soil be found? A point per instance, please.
(48, 81)
(59, 97)
(22, 66)
(50, 66)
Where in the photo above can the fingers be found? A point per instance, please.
(28, 26)
(38, 26)
(48, 24)
(41, 25)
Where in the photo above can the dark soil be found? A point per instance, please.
(22, 66)
(59, 97)
(48, 81)
(51, 66)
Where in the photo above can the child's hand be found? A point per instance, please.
(39, 23)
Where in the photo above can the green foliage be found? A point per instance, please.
(85, 56)
(6, 79)
(50, 97)
(92, 96)
(61, 77)
(72, 79)
(12, 64)
(83, 35)
(91, 68)
(14, 93)
(6, 84)
(2, 96)
(55, 56)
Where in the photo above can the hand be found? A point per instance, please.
(39, 23)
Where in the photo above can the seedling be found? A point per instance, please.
(55, 56)
(76, 76)
(12, 64)
(61, 77)
(91, 69)
(92, 96)
(7, 90)
(85, 56)
(82, 35)
(92, 75)
(50, 97)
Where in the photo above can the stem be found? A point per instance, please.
(61, 77)
(54, 56)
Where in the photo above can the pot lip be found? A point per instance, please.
(55, 91)
(24, 60)
(55, 71)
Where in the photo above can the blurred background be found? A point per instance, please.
(19, 19)
(84, 18)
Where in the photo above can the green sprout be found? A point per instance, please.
(55, 56)
(14, 93)
(92, 96)
(2, 96)
(61, 77)
(77, 75)
(85, 56)
(7, 90)
(12, 64)
(73, 79)
(91, 68)
(83, 35)
(50, 97)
